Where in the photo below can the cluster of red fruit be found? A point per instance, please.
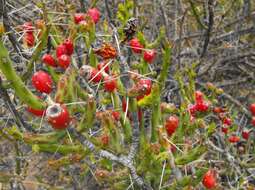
(57, 114)
(43, 83)
(200, 105)
(41, 80)
(63, 55)
(137, 47)
(93, 13)
(227, 122)
(97, 74)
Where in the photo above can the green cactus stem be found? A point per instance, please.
(155, 120)
(151, 99)
(88, 117)
(192, 155)
(16, 83)
(62, 149)
(161, 36)
(66, 160)
(49, 138)
(165, 66)
(188, 180)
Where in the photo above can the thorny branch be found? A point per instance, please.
(7, 100)
(11, 35)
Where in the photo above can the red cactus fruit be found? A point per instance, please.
(69, 46)
(94, 14)
(209, 179)
(171, 124)
(58, 116)
(110, 84)
(149, 55)
(48, 59)
(136, 46)
(42, 82)
(64, 61)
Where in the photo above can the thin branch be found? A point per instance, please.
(11, 35)
(109, 13)
(209, 27)
(18, 119)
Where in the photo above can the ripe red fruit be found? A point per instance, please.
(101, 65)
(252, 109)
(61, 50)
(94, 14)
(116, 115)
(48, 59)
(78, 17)
(135, 45)
(234, 139)
(202, 107)
(69, 46)
(95, 76)
(36, 112)
(110, 84)
(58, 116)
(227, 121)
(64, 61)
(253, 121)
(29, 39)
(149, 56)
(171, 124)
(42, 82)
(199, 97)
(246, 134)
(224, 129)
(28, 27)
(146, 83)
(146, 86)
(209, 179)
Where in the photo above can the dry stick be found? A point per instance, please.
(247, 8)
(124, 69)
(209, 27)
(84, 4)
(109, 13)
(229, 36)
(135, 130)
(175, 169)
(233, 100)
(108, 155)
(230, 158)
(204, 70)
(180, 36)
(165, 21)
(18, 119)
(11, 35)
